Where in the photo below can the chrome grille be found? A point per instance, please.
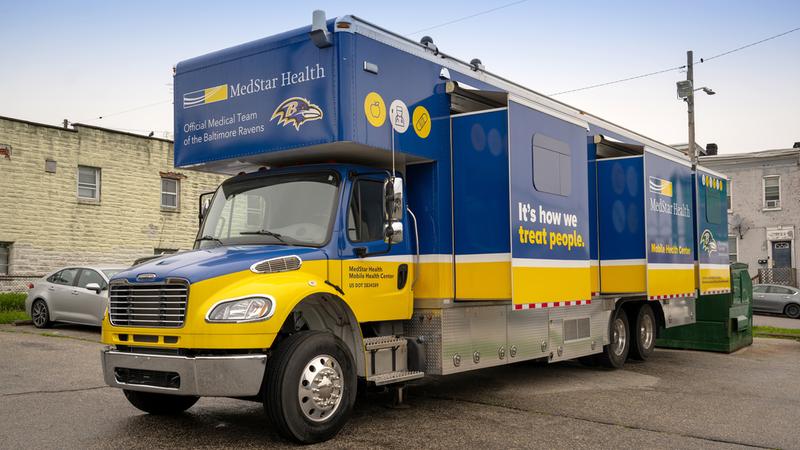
(148, 304)
(280, 264)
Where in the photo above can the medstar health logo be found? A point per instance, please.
(707, 242)
(296, 111)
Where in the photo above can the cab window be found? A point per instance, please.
(365, 214)
(91, 276)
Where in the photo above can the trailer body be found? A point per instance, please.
(414, 214)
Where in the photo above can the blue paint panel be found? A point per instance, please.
(255, 82)
(410, 79)
(669, 211)
(523, 124)
(199, 265)
(480, 185)
(712, 219)
(620, 205)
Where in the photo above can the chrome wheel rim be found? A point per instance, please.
(320, 388)
(647, 332)
(619, 338)
(39, 314)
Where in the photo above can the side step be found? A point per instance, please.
(396, 377)
(387, 360)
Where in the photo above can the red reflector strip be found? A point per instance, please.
(669, 296)
(552, 304)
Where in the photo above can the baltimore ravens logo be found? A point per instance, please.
(296, 111)
(707, 242)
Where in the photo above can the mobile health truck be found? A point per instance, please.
(395, 213)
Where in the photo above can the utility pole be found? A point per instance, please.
(690, 103)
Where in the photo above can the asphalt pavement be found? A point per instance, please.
(774, 320)
(52, 396)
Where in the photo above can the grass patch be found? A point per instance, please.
(11, 316)
(12, 301)
(775, 332)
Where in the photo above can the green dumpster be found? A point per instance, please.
(724, 321)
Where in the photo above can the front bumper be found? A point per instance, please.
(210, 376)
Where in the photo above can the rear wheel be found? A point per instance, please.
(40, 314)
(643, 333)
(792, 311)
(310, 386)
(160, 404)
(616, 352)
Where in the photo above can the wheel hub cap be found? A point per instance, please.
(320, 388)
(646, 331)
(619, 338)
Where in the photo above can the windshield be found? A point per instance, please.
(293, 209)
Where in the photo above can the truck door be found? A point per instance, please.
(376, 277)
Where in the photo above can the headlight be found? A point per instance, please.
(244, 309)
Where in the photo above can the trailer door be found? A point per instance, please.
(548, 206)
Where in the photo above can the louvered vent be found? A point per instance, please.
(275, 265)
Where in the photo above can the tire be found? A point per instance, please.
(643, 333)
(40, 314)
(616, 352)
(160, 404)
(792, 310)
(301, 362)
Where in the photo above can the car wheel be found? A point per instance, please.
(792, 310)
(616, 352)
(643, 333)
(160, 404)
(310, 386)
(40, 314)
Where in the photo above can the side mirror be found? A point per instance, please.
(393, 199)
(94, 287)
(394, 233)
(205, 204)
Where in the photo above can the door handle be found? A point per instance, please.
(51, 288)
(402, 276)
(75, 292)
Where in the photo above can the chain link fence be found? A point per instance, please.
(786, 276)
(17, 283)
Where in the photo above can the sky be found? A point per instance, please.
(81, 60)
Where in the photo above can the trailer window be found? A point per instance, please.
(552, 165)
(365, 214)
(714, 205)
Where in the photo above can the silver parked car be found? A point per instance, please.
(775, 298)
(72, 294)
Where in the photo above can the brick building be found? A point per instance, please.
(89, 195)
(763, 209)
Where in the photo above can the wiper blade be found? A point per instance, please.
(269, 233)
(209, 238)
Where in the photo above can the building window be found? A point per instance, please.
(730, 195)
(5, 258)
(255, 210)
(552, 165)
(170, 190)
(88, 183)
(772, 192)
(733, 247)
(164, 251)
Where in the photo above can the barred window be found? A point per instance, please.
(5, 258)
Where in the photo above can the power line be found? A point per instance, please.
(149, 105)
(461, 19)
(702, 60)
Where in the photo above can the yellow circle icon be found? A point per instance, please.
(374, 109)
(421, 120)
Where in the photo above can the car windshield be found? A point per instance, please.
(110, 272)
(289, 209)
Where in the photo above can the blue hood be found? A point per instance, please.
(198, 265)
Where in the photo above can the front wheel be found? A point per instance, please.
(310, 386)
(792, 311)
(160, 404)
